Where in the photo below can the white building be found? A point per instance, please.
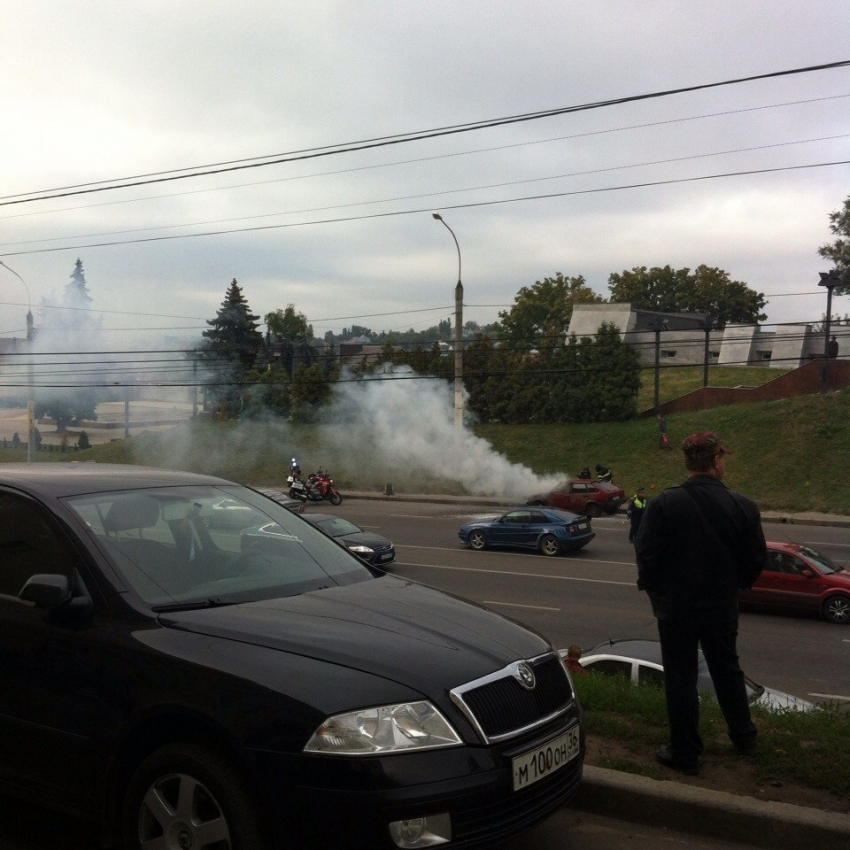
(683, 338)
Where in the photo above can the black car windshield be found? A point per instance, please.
(821, 561)
(185, 545)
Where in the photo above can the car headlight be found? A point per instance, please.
(384, 729)
(361, 550)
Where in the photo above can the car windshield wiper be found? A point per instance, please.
(214, 602)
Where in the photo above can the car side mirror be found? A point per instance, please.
(807, 573)
(57, 593)
(46, 590)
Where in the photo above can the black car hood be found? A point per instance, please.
(401, 631)
(363, 538)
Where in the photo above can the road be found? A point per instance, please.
(590, 596)
(26, 827)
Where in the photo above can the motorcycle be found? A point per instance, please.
(298, 489)
(317, 488)
(320, 486)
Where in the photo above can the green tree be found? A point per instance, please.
(310, 392)
(541, 313)
(839, 250)
(289, 325)
(705, 290)
(231, 349)
(613, 376)
(266, 395)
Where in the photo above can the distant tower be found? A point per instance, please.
(29, 326)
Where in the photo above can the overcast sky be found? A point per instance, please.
(95, 90)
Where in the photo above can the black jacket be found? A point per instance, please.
(697, 546)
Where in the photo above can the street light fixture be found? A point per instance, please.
(30, 406)
(830, 280)
(458, 333)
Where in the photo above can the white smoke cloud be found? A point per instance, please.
(396, 429)
(403, 426)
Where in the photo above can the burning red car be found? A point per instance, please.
(583, 496)
(801, 578)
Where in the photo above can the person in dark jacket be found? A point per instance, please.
(698, 545)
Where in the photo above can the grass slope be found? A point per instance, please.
(789, 455)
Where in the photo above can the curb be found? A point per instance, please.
(810, 518)
(715, 814)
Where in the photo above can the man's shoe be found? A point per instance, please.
(668, 758)
(746, 748)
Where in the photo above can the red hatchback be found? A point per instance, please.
(583, 496)
(803, 579)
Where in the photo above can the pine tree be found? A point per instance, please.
(69, 326)
(232, 345)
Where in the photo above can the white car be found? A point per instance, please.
(640, 661)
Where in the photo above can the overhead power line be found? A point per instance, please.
(436, 157)
(501, 185)
(109, 384)
(381, 141)
(422, 210)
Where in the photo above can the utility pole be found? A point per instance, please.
(658, 326)
(830, 280)
(708, 327)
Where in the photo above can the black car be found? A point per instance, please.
(201, 685)
(368, 546)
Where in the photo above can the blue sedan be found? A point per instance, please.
(548, 530)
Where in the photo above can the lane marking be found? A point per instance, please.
(410, 516)
(837, 697)
(514, 554)
(523, 575)
(517, 605)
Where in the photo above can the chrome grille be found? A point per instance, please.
(499, 707)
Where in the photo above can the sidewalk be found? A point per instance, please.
(779, 826)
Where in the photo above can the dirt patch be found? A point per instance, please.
(733, 774)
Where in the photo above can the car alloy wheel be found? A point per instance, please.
(549, 545)
(477, 540)
(186, 797)
(836, 609)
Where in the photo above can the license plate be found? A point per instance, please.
(386, 557)
(539, 763)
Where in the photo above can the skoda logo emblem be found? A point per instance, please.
(525, 676)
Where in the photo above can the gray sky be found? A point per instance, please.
(98, 90)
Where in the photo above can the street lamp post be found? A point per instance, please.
(458, 333)
(830, 280)
(30, 406)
